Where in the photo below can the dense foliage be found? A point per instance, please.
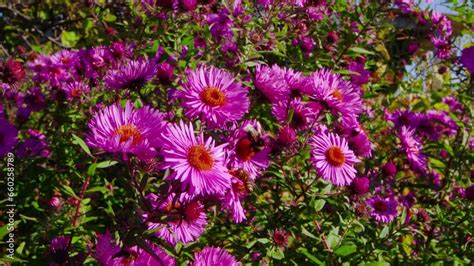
(301, 132)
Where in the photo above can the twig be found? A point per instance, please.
(81, 196)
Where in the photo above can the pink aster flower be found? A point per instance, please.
(132, 75)
(301, 114)
(126, 130)
(333, 159)
(248, 148)
(214, 256)
(197, 162)
(239, 190)
(213, 95)
(178, 218)
(76, 89)
(108, 253)
(413, 149)
(65, 58)
(270, 81)
(340, 96)
(383, 209)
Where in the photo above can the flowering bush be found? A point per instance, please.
(166, 132)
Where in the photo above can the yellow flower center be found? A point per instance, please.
(337, 94)
(335, 156)
(200, 158)
(213, 97)
(127, 132)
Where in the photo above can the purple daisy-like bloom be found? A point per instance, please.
(401, 118)
(99, 57)
(360, 144)
(467, 58)
(185, 219)
(213, 95)
(436, 123)
(270, 81)
(248, 148)
(413, 148)
(35, 145)
(453, 103)
(108, 253)
(301, 115)
(383, 209)
(360, 185)
(65, 58)
(59, 249)
(239, 190)
(361, 75)
(76, 89)
(132, 75)
(220, 24)
(333, 159)
(127, 130)
(35, 99)
(340, 96)
(8, 136)
(214, 256)
(197, 162)
(297, 84)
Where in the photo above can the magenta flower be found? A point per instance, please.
(65, 58)
(333, 159)
(59, 249)
(196, 162)
(35, 145)
(248, 148)
(76, 89)
(383, 209)
(340, 96)
(301, 115)
(239, 190)
(467, 58)
(214, 256)
(360, 185)
(213, 95)
(11, 71)
(185, 219)
(132, 75)
(413, 149)
(270, 81)
(108, 253)
(126, 130)
(8, 136)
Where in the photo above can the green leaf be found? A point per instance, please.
(319, 204)
(275, 253)
(68, 190)
(384, 232)
(4, 229)
(333, 237)
(81, 143)
(346, 250)
(106, 164)
(109, 18)
(437, 163)
(360, 50)
(307, 233)
(91, 169)
(312, 258)
(69, 38)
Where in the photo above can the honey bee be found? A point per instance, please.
(255, 137)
